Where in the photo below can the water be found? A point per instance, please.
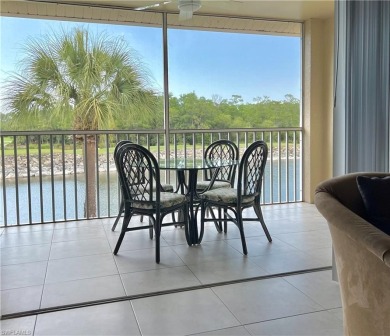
(64, 198)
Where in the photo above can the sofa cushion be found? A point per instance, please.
(375, 192)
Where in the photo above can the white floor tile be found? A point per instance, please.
(323, 255)
(26, 238)
(158, 280)
(262, 300)
(319, 286)
(24, 254)
(80, 268)
(211, 234)
(308, 240)
(144, 260)
(174, 237)
(251, 229)
(108, 319)
(286, 262)
(78, 233)
(18, 326)
(261, 246)
(136, 240)
(293, 225)
(226, 270)
(78, 248)
(235, 331)
(318, 324)
(182, 313)
(92, 223)
(71, 292)
(205, 252)
(29, 228)
(20, 299)
(23, 275)
(338, 312)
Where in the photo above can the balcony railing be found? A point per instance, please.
(44, 176)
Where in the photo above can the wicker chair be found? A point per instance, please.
(139, 175)
(246, 195)
(219, 150)
(164, 187)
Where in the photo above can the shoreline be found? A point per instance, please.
(43, 166)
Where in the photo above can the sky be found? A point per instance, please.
(207, 63)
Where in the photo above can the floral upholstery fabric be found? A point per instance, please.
(167, 199)
(201, 185)
(228, 196)
(167, 187)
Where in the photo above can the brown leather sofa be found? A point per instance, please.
(362, 255)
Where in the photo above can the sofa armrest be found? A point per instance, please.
(362, 256)
(354, 226)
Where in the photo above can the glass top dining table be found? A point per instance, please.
(180, 164)
(188, 187)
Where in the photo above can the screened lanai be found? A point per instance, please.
(58, 258)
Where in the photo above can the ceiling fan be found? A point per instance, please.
(186, 7)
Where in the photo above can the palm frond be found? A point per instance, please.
(75, 75)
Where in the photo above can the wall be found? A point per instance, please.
(317, 104)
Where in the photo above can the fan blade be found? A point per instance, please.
(153, 6)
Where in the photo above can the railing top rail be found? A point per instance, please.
(232, 130)
(77, 132)
(155, 131)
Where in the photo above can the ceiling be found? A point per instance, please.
(275, 9)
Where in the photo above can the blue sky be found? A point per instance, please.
(208, 63)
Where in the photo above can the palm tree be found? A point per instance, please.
(88, 79)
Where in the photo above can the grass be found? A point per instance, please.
(57, 149)
(7, 140)
(21, 150)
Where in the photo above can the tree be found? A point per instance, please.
(83, 79)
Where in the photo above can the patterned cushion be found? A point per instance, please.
(226, 195)
(167, 199)
(201, 185)
(167, 187)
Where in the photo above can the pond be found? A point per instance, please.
(58, 199)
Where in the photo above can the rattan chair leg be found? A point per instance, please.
(225, 220)
(259, 214)
(157, 228)
(150, 229)
(120, 212)
(241, 228)
(119, 242)
(217, 223)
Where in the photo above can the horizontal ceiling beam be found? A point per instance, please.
(121, 15)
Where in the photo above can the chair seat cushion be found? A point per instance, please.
(167, 187)
(226, 195)
(201, 185)
(167, 199)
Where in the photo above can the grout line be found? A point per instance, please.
(47, 268)
(289, 316)
(152, 294)
(114, 259)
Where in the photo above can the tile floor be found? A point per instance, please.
(51, 265)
